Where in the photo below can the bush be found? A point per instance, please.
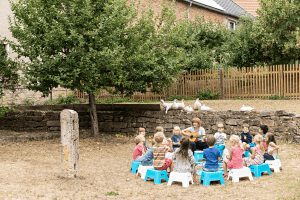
(71, 99)
(208, 95)
(4, 110)
(276, 97)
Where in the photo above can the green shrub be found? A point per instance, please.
(208, 95)
(4, 110)
(71, 99)
(276, 97)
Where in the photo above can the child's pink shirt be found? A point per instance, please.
(138, 151)
(236, 161)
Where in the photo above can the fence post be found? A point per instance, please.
(221, 86)
(282, 85)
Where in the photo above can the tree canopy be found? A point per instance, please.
(272, 38)
(8, 71)
(93, 44)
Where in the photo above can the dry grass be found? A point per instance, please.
(32, 170)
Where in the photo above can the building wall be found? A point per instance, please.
(4, 24)
(250, 6)
(183, 9)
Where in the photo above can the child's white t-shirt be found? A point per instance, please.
(220, 137)
(225, 154)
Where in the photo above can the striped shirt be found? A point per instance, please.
(159, 154)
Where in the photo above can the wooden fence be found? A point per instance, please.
(252, 82)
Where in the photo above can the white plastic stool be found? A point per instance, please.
(236, 174)
(142, 170)
(184, 178)
(274, 164)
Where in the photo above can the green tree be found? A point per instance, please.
(278, 24)
(272, 38)
(8, 71)
(93, 44)
(202, 42)
(243, 49)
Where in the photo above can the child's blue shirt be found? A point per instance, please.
(176, 138)
(211, 156)
(147, 158)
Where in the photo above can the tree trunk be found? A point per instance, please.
(93, 115)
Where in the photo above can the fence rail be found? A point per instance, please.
(230, 83)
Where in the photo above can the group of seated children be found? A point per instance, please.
(176, 153)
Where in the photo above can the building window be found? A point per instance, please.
(231, 25)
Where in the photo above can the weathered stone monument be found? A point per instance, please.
(70, 142)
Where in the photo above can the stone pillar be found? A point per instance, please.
(70, 142)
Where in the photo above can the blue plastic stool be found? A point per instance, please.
(246, 153)
(207, 177)
(201, 163)
(134, 166)
(157, 175)
(220, 148)
(257, 170)
(252, 144)
(220, 165)
(198, 155)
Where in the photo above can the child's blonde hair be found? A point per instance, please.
(234, 139)
(176, 128)
(159, 129)
(139, 139)
(258, 139)
(159, 137)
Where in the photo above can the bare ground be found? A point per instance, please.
(32, 170)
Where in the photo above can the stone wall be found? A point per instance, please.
(128, 117)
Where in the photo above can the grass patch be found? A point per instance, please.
(112, 193)
(71, 99)
(122, 100)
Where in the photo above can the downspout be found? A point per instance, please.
(191, 3)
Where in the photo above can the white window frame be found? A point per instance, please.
(230, 21)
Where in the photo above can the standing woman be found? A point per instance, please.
(196, 134)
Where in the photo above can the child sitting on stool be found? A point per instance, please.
(139, 148)
(257, 152)
(176, 137)
(142, 131)
(183, 158)
(246, 137)
(211, 155)
(220, 135)
(159, 153)
(235, 158)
